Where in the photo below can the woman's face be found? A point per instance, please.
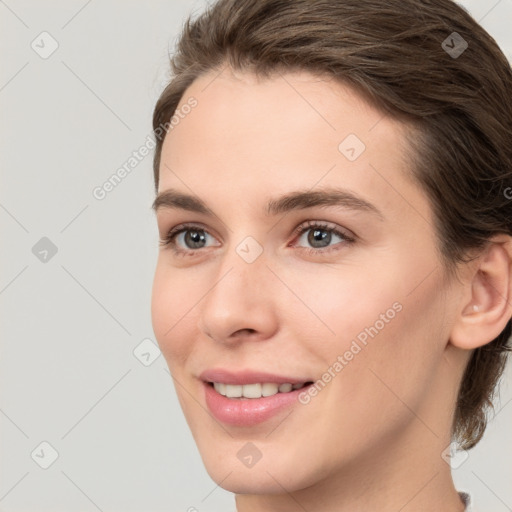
(277, 280)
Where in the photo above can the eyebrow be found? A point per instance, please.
(297, 200)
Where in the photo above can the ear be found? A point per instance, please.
(486, 304)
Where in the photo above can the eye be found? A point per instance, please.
(186, 238)
(320, 237)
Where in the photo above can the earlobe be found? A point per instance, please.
(489, 308)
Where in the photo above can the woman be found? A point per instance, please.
(333, 289)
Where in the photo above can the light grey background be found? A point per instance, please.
(70, 325)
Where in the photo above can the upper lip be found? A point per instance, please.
(247, 377)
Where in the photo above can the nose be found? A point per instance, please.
(240, 301)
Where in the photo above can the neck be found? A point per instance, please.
(404, 473)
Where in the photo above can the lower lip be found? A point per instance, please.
(245, 412)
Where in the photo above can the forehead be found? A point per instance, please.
(289, 131)
(242, 110)
(285, 100)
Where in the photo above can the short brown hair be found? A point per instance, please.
(396, 53)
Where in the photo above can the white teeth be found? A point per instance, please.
(233, 390)
(269, 389)
(220, 387)
(254, 390)
(251, 390)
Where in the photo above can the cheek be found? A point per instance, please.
(397, 358)
(346, 301)
(385, 321)
(171, 308)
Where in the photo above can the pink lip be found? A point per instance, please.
(247, 377)
(245, 412)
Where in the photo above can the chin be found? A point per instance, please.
(272, 473)
(253, 481)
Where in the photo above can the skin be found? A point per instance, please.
(372, 439)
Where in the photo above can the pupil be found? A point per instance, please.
(319, 235)
(194, 237)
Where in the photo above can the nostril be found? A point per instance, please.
(244, 331)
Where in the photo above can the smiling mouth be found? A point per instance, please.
(257, 390)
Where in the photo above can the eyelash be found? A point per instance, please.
(173, 233)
